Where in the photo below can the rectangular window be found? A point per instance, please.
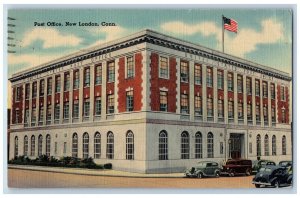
(65, 148)
(240, 110)
(26, 116)
(250, 147)
(249, 86)
(221, 148)
(210, 112)
(273, 114)
(42, 88)
(163, 98)
(55, 147)
(198, 74)
(184, 104)
(86, 107)
(130, 67)
(282, 93)
(27, 91)
(41, 114)
(265, 111)
(249, 112)
(18, 94)
(110, 104)
(17, 115)
(220, 79)
(209, 77)
(56, 111)
(98, 74)
(98, 106)
(230, 110)
(67, 82)
(220, 108)
(33, 116)
(87, 77)
(184, 71)
(163, 67)
(111, 72)
(265, 89)
(198, 106)
(257, 88)
(76, 109)
(57, 84)
(257, 112)
(283, 116)
(66, 110)
(230, 81)
(240, 83)
(272, 91)
(49, 86)
(76, 80)
(34, 89)
(129, 100)
(49, 112)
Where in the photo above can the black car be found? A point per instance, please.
(274, 176)
(285, 163)
(257, 165)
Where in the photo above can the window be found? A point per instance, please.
(184, 104)
(230, 110)
(32, 148)
(57, 84)
(220, 108)
(249, 86)
(49, 112)
(26, 117)
(265, 89)
(185, 145)
(129, 100)
(97, 145)
(273, 114)
(34, 89)
(98, 74)
(33, 116)
(98, 106)
(257, 88)
(163, 67)
(49, 86)
(129, 146)
(240, 110)
(250, 147)
(76, 109)
(27, 91)
(163, 146)
(18, 93)
(55, 148)
(87, 77)
(272, 91)
(198, 145)
(210, 112)
(40, 145)
(163, 100)
(48, 145)
(111, 72)
(17, 115)
(85, 145)
(65, 148)
(283, 145)
(76, 80)
(198, 74)
(66, 110)
(16, 147)
(258, 145)
(230, 81)
(41, 114)
(42, 88)
(265, 111)
(257, 112)
(26, 145)
(130, 67)
(110, 104)
(184, 72)
(67, 82)
(274, 145)
(282, 93)
(74, 145)
(220, 79)
(221, 148)
(86, 107)
(57, 111)
(198, 106)
(249, 111)
(283, 116)
(266, 145)
(110, 145)
(210, 145)
(209, 77)
(240, 83)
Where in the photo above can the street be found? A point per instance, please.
(18, 178)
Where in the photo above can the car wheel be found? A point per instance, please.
(200, 175)
(276, 184)
(217, 174)
(248, 172)
(257, 185)
(231, 173)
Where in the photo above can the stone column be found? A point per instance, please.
(192, 90)
(30, 103)
(80, 99)
(253, 101)
(23, 104)
(276, 101)
(261, 103)
(71, 96)
(61, 98)
(225, 98)
(178, 86)
(53, 102)
(235, 98)
(92, 90)
(245, 99)
(103, 90)
(116, 81)
(269, 105)
(215, 93)
(45, 101)
(146, 80)
(204, 94)
(37, 103)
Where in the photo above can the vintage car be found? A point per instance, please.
(237, 167)
(261, 163)
(285, 163)
(204, 169)
(274, 176)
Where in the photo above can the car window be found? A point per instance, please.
(208, 165)
(263, 163)
(214, 164)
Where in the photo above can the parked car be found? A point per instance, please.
(274, 176)
(261, 163)
(204, 169)
(237, 166)
(285, 163)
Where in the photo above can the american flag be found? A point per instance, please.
(230, 24)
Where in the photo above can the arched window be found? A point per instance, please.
(266, 145)
(258, 145)
(32, 148)
(129, 146)
(75, 145)
(198, 145)
(110, 145)
(283, 145)
(210, 145)
(273, 145)
(97, 145)
(48, 143)
(185, 145)
(16, 146)
(40, 145)
(26, 145)
(85, 145)
(163, 146)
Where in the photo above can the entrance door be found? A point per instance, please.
(235, 146)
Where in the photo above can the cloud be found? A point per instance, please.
(50, 38)
(245, 41)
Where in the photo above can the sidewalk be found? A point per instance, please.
(92, 172)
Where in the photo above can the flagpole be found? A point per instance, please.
(223, 33)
